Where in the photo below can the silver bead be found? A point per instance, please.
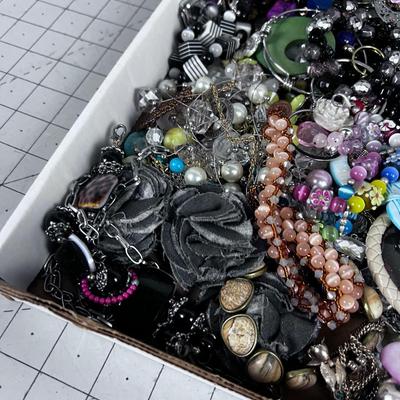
(350, 6)
(239, 113)
(362, 87)
(355, 23)
(318, 353)
(195, 176)
(167, 87)
(232, 188)
(232, 171)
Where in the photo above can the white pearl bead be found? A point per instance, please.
(262, 174)
(195, 176)
(202, 85)
(230, 70)
(167, 87)
(187, 34)
(232, 188)
(216, 50)
(394, 140)
(232, 171)
(258, 93)
(229, 16)
(239, 113)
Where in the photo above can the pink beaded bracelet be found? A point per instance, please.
(109, 300)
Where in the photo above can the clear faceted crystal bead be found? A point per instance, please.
(154, 136)
(147, 97)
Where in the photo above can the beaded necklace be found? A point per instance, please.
(296, 244)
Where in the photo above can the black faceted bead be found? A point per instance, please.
(197, 28)
(317, 37)
(207, 59)
(312, 52)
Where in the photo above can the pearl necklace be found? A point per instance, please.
(297, 243)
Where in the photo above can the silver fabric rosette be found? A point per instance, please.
(137, 214)
(208, 237)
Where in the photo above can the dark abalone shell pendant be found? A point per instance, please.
(95, 194)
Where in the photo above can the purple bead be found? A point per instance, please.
(91, 297)
(108, 301)
(301, 193)
(102, 301)
(362, 118)
(370, 162)
(130, 291)
(120, 298)
(319, 178)
(358, 173)
(320, 141)
(114, 300)
(307, 131)
(335, 139)
(390, 357)
(374, 145)
(338, 205)
(96, 299)
(125, 295)
(345, 148)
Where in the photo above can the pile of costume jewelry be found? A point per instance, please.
(248, 222)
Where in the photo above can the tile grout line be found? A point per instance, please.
(212, 394)
(156, 381)
(70, 96)
(11, 320)
(101, 369)
(56, 59)
(55, 116)
(109, 47)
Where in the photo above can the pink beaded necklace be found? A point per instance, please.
(296, 243)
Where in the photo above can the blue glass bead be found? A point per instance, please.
(346, 191)
(135, 143)
(176, 165)
(344, 37)
(348, 227)
(391, 174)
(319, 4)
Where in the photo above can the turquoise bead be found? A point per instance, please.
(346, 191)
(135, 143)
(176, 165)
(348, 227)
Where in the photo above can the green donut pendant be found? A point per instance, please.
(285, 34)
